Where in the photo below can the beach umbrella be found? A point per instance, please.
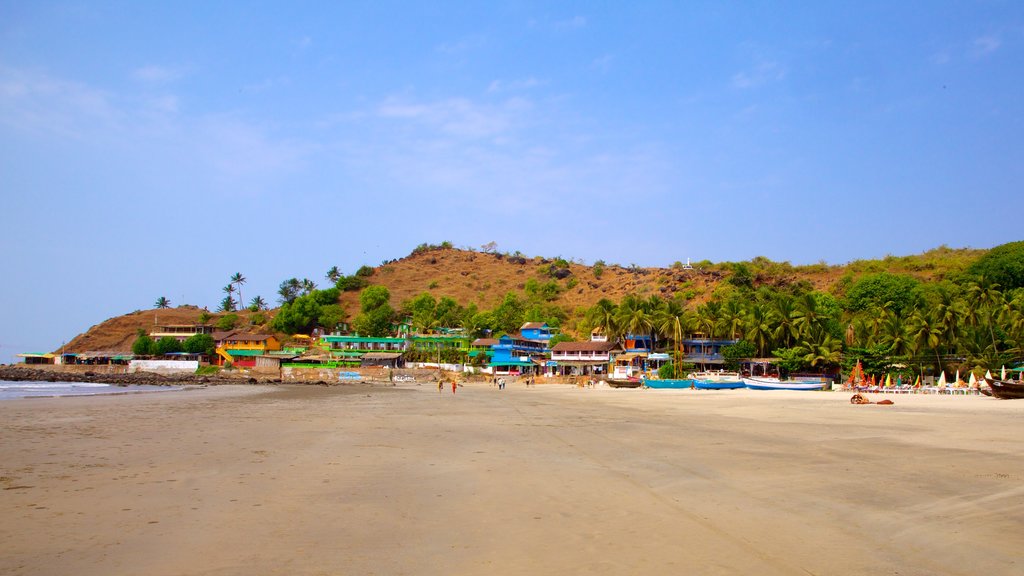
(917, 383)
(988, 374)
(957, 379)
(888, 381)
(899, 380)
(942, 379)
(972, 381)
(1002, 374)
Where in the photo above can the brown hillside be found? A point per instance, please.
(117, 334)
(484, 278)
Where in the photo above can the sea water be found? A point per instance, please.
(10, 390)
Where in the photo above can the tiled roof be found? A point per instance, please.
(583, 347)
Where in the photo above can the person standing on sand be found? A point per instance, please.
(454, 384)
(440, 386)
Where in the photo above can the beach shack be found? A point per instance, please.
(37, 358)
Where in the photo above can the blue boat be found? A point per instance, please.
(670, 383)
(723, 385)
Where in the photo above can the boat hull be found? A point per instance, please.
(773, 384)
(671, 383)
(723, 385)
(1006, 389)
(618, 383)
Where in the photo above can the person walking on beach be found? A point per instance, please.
(454, 384)
(440, 386)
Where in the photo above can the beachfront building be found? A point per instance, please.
(349, 349)
(638, 343)
(242, 348)
(598, 335)
(705, 353)
(514, 354)
(37, 358)
(582, 358)
(180, 332)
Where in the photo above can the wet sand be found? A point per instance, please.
(548, 480)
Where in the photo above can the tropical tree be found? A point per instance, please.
(228, 304)
(783, 311)
(732, 317)
(604, 315)
(758, 329)
(237, 280)
(926, 331)
(257, 304)
(709, 316)
(334, 274)
(162, 302)
(289, 290)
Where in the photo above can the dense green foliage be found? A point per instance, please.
(168, 345)
(1002, 265)
(227, 322)
(318, 308)
(375, 314)
(883, 290)
(199, 344)
(143, 346)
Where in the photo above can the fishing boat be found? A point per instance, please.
(715, 376)
(624, 382)
(718, 384)
(1006, 389)
(669, 383)
(765, 383)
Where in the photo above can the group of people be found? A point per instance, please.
(440, 386)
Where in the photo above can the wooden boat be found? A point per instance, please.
(718, 385)
(764, 383)
(624, 382)
(1006, 389)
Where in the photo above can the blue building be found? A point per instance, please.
(515, 354)
(536, 331)
(705, 352)
(638, 343)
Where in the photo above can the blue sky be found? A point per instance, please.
(150, 150)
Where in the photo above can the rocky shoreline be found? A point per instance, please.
(20, 374)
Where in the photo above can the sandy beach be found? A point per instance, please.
(547, 480)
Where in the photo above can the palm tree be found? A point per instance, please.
(671, 320)
(237, 280)
(757, 328)
(828, 351)
(633, 316)
(895, 334)
(257, 304)
(709, 316)
(603, 314)
(334, 274)
(783, 311)
(308, 286)
(732, 317)
(926, 332)
(229, 290)
(162, 302)
(806, 315)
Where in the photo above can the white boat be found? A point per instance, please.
(765, 383)
(715, 376)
